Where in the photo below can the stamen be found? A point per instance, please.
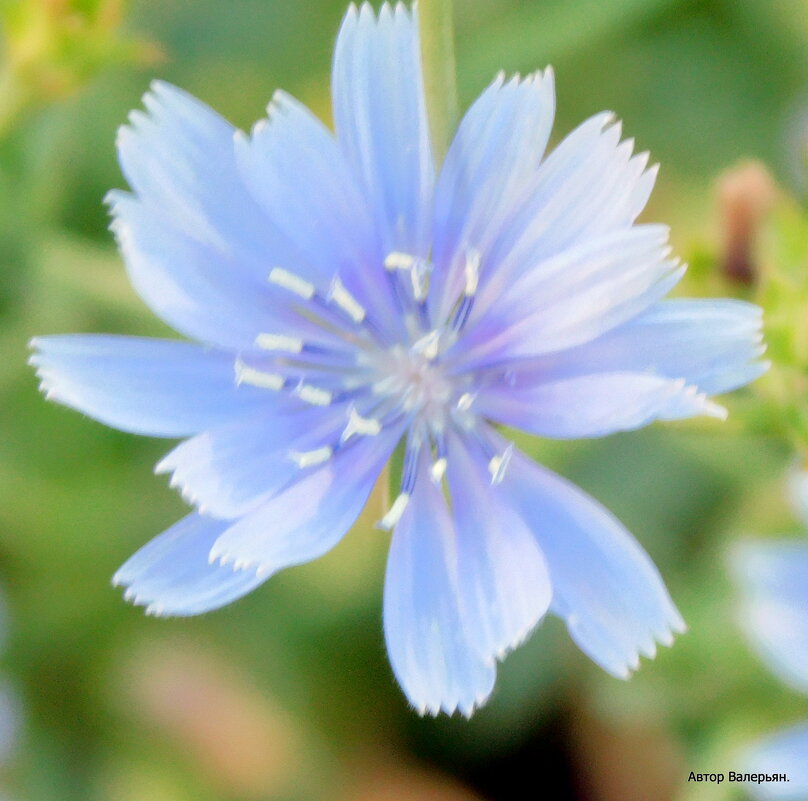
(438, 470)
(399, 261)
(310, 458)
(366, 426)
(419, 270)
(294, 283)
(409, 471)
(279, 342)
(394, 513)
(346, 301)
(499, 464)
(429, 345)
(257, 378)
(313, 395)
(472, 272)
(464, 402)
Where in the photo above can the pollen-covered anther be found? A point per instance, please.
(399, 261)
(257, 378)
(464, 402)
(313, 395)
(293, 283)
(498, 465)
(394, 513)
(438, 470)
(311, 458)
(472, 272)
(429, 345)
(357, 424)
(279, 342)
(341, 297)
(419, 270)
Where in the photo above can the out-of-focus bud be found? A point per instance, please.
(52, 48)
(746, 194)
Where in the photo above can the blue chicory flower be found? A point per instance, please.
(773, 578)
(347, 296)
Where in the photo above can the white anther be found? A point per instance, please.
(294, 283)
(429, 345)
(394, 513)
(438, 470)
(279, 342)
(313, 395)
(399, 261)
(257, 378)
(310, 458)
(464, 402)
(346, 301)
(472, 272)
(366, 426)
(419, 274)
(499, 464)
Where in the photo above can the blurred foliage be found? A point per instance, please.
(288, 694)
(53, 47)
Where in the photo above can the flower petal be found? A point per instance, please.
(503, 581)
(604, 585)
(491, 162)
(774, 613)
(589, 186)
(171, 575)
(168, 155)
(198, 290)
(593, 405)
(381, 123)
(229, 470)
(192, 233)
(712, 344)
(575, 297)
(295, 169)
(147, 386)
(786, 752)
(436, 664)
(311, 515)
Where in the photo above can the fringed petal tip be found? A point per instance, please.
(648, 649)
(217, 557)
(465, 708)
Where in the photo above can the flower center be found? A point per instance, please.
(416, 380)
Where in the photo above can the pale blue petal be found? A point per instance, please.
(435, 662)
(574, 297)
(786, 752)
(197, 247)
(604, 585)
(593, 405)
(171, 575)
(381, 123)
(228, 471)
(147, 386)
(179, 159)
(712, 344)
(491, 163)
(589, 186)
(295, 169)
(310, 516)
(503, 582)
(774, 613)
(196, 289)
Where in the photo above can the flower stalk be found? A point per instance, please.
(438, 64)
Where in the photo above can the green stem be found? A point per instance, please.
(438, 64)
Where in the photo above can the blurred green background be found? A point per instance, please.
(288, 694)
